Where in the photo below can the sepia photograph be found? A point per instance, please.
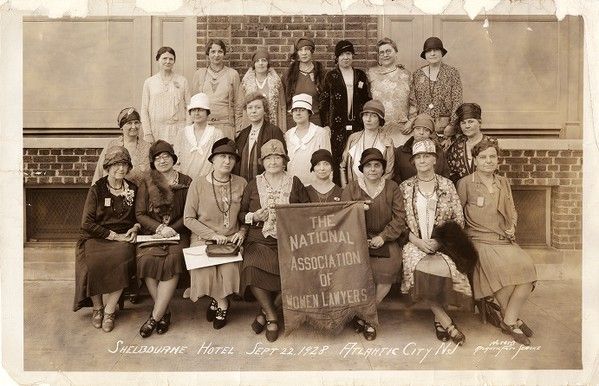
(242, 193)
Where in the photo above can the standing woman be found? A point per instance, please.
(423, 128)
(385, 222)
(221, 84)
(106, 249)
(390, 83)
(429, 275)
(344, 92)
(211, 213)
(130, 124)
(159, 209)
(194, 142)
(250, 140)
(163, 101)
(304, 76)
(436, 88)
(322, 188)
(373, 135)
(504, 270)
(459, 155)
(262, 78)
(304, 138)
(260, 269)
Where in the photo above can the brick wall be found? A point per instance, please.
(559, 169)
(242, 34)
(562, 171)
(59, 166)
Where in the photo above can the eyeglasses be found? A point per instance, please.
(386, 52)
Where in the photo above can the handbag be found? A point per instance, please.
(222, 250)
(382, 251)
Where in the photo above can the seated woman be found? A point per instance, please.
(373, 135)
(304, 138)
(211, 212)
(430, 203)
(129, 122)
(260, 268)
(322, 188)
(423, 128)
(504, 270)
(159, 209)
(106, 249)
(385, 222)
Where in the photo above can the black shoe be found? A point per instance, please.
(220, 320)
(518, 336)
(164, 323)
(256, 325)
(211, 311)
(524, 328)
(455, 334)
(441, 332)
(358, 325)
(272, 335)
(369, 332)
(148, 327)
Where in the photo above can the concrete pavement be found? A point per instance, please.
(58, 339)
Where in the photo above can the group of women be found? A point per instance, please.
(403, 153)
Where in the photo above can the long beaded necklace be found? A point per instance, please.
(226, 200)
(431, 206)
(431, 88)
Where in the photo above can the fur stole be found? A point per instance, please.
(456, 244)
(160, 196)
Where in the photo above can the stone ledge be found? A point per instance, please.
(539, 144)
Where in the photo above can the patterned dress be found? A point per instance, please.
(445, 94)
(164, 107)
(222, 89)
(423, 281)
(272, 89)
(393, 89)
(459, 159)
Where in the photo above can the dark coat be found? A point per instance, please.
(403, 168)
(267, 132)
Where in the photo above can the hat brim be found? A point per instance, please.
(443, 50)
(427, 152)
(284, 156)
(237, 157)
(109, 164)
(370, 159)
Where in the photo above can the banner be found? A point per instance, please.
(325, 271)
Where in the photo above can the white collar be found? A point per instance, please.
(300, 143)
(192, 140)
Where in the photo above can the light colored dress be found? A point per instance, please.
(393, 89)
(164, 107)
(203, 216)
(300, 150)
(139, 159)
(353, 152)
(193, 152)
(501, 261)
(272, 89)
(222, 89)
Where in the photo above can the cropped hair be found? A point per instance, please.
(162, 50)
(218, 42)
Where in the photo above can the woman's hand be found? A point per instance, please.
(407, 127)
(422, 245)
(376, 242)
(238, 238)
(167, 231)
(432, 244)
(131, 234)
(220, 240)
(511, 233)
(367, 204)
(260, 215)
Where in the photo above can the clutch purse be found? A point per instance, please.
(382, 251)
(223, 250)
